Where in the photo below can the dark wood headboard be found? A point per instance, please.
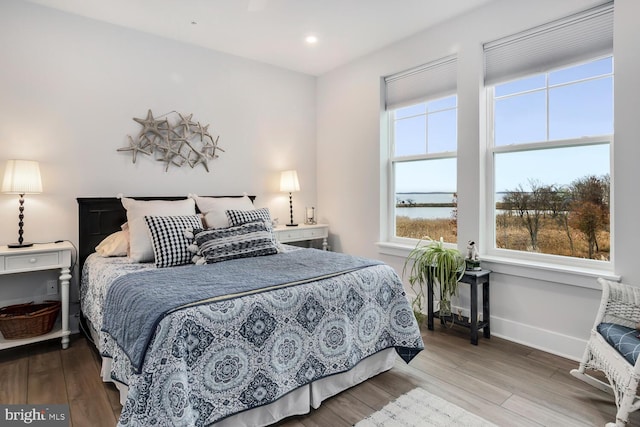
(98, 217)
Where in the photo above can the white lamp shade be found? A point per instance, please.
(289, 181)
(22, 177)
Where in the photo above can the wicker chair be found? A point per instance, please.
(619, 310)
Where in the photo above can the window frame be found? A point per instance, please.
(491, 150)
(392, 160)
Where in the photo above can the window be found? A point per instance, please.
(550, 136)
(422, 110)
(424, 169)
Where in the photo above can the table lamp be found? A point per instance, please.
(21, 177)
(289, 183)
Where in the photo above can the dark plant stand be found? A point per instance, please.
(473, 279)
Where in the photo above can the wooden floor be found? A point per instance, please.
(506, 383)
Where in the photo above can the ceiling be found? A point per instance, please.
(274, 31)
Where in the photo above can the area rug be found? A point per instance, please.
(419, 408)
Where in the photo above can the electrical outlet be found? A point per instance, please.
(52, 287)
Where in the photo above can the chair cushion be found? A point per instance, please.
(623, 339)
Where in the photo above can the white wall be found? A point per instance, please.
(70, 86)
(528, 306)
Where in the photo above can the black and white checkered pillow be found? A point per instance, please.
(170, 245)
(238, 217)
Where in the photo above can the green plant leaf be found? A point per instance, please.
(432, 261)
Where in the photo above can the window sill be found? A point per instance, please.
(557, 273)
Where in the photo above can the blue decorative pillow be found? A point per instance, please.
(242, 241)
(170, 243)
(623, 339)
(238, 217)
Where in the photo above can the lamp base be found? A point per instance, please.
(292, 225)
(19, 245)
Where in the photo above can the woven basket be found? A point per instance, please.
(28, 320)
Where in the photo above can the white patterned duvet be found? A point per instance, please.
(208, 362)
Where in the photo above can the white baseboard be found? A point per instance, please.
(542, 339)
(566, 346)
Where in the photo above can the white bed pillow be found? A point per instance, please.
(115, 244)
(140, 244)
(215, 208)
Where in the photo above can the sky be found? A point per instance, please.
(579, 104)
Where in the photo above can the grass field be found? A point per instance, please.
(552, 239)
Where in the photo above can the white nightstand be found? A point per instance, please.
(302, 233)
(48, 256)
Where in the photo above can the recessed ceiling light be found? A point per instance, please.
(311, 39)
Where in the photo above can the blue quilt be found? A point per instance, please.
(136, 303)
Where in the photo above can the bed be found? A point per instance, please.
(300, 325)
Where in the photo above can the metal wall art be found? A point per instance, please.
(177, 142)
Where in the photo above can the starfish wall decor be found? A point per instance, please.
(179, 142)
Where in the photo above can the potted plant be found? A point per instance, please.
(443, 266)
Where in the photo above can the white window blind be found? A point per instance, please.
(421, 83)
(566, 41)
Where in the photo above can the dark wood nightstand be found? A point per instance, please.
(473, 278)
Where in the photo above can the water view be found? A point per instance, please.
(434, 205)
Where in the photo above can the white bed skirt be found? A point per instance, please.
(297, 402)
